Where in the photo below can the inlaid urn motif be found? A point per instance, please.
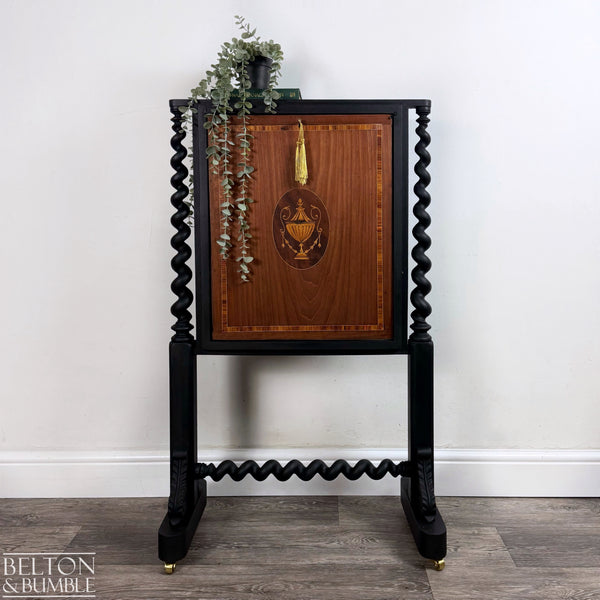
(300, 228)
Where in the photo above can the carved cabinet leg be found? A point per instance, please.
(418, 496)
(420, 436)
(187, 497)
(182, 367)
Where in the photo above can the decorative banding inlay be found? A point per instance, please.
(316, 253)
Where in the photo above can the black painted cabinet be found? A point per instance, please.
(375, 322)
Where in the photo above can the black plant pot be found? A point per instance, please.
(259, 72)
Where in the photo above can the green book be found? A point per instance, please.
(284, 93)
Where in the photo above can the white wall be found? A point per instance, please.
(85, 229)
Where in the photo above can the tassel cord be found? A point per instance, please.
(301, 166)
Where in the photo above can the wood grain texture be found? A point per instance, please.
(347, 293)
(130, 544)
(362, 511)
(50, 512)
(36, 539)
(298, 544)
(561, 546)
(302, 548)
(269, 581)
(520, 512)
(277, 511)
(486, 581)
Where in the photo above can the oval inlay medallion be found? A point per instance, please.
(300, 228)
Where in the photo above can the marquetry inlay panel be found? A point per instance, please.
(322, 267)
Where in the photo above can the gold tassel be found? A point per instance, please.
(301, 167)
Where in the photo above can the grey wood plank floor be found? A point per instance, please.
(330, 548)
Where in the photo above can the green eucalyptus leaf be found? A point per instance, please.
(228, 73)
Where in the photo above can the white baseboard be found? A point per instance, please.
(559, 473)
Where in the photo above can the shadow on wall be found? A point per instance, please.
(243, 401)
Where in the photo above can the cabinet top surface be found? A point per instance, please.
(282, 104)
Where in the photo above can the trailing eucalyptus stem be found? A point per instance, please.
(244, 173)
(218, 85)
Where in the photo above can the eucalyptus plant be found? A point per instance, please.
(227, 83)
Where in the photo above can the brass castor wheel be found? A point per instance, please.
(439, 565)
(169, 568)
